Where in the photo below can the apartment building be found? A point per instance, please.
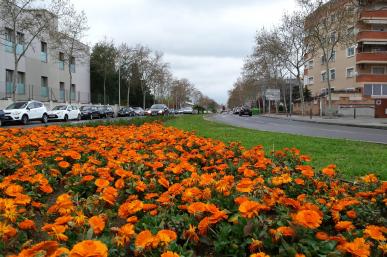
(357, 73)
(42, 72)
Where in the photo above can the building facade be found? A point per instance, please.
(42, 72)
(358, 73)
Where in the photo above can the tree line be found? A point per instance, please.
(138, 76)
(280, 54)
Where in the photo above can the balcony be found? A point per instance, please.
(374, 16)
(373, 36)
(371, 57)
(371, 78)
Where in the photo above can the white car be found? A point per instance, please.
(25, 112)
(65, 113)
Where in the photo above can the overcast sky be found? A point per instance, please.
(204, 41)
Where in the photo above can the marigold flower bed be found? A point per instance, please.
(158, 191)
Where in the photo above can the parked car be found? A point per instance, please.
(2, 117)
(65, 113)
(126, 112)
(89, 112)
(25, 112)
(236, 110)
(139, 111)
(188, 110)
(105, 111)
(245, 110)
(157, 109)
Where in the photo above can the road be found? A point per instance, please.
(304, 128)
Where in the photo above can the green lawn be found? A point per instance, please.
(352, 158)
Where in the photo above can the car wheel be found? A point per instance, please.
(66, 118)
(44, 118)
(91, 116)
(25, 119)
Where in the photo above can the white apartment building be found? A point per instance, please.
(42, 72)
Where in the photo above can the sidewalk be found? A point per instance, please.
(364, 122)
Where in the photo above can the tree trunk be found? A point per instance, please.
(285, 100)
(329, 89)
(128, 94)
(71, 81)
(301, 88)
(104, 86)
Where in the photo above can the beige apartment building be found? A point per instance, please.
(42, 73)
(358, 73)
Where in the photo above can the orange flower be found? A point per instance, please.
(6, 231)
(308, 218)
(255, 245)
(45, 248)
(358, 248)
(89, 248)
(101, 183)
(344, 225)
(27, 225)
(170, 254)
(190, 234)
(13, 190)
(250, 209)
(166, 236)
(64, 164)
(109, 194)
(97, 223)
(375, 232)
(322, 236)
(130, 208)
(144, 240)
(260, 254)
(351, 214)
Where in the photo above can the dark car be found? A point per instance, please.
(2, 117)
(105, 111)
(157, 109)
(245, 111)
(236, 110)
(89, 112)
(126, 112)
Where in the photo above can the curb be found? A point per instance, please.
(330, 123)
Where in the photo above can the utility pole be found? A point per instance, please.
(119, 85)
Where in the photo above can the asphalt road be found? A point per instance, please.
(304, 128)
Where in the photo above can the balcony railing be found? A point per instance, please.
(371, 78)
(371, 57)
(373, 15)
(370, 35)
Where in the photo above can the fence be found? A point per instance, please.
(44, 94)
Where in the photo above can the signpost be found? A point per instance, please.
(272, 95)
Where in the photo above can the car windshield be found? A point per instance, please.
(20, 105)
(85, 108)
(157, 106)
(60, 108)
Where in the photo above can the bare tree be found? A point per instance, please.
(327, 27)
(24, 22)
(293, 48)
(67, 40)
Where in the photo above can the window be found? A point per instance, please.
(8, 81)
(351, 51)
(332, 37)
(351, 31)
(20, 87)
(8, 34)
(332, 74)
(375, 90)
(43, 52)
(310, 64)
(323, 59)
(333, 55)
(61, 61)
(44, 87)
(311, 81)
(72, 92)
(20, 38)
(72, 64)
(62, 91)
(350, 72)
(323, 76)
(377, 70)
